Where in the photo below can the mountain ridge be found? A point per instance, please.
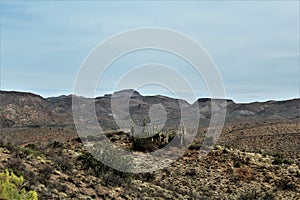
(29, 109)
(202, 99)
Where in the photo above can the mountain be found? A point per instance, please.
(21, 109)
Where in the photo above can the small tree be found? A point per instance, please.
(11, 187)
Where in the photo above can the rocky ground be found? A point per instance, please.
(67, 171)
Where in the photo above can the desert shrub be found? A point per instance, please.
(269, 196)
(11, 187)
(55, 144)
(148, 176)
(34, 125)
(247, 160)
(110, 176)
(9, 146)
(32, 146)
(6, 123)
(30, 179)
(53, 150)
(143, 144)
(237, 164)
(109, 157)
(278, 159)
(206, 144)
(16, 165)
(45, 174)
(64, 163)
(195, 146)
(286, 184)
(151, 140)
(250, 195)
(60, 186)
(191, 172)
(114, 179)
(90, 162)
(78, 139)
(109, 134)
(287, 162)
(30, 149)
(262, 152)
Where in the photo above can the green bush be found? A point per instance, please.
(237, 164)
(90, 162)
(149, 142)
(278, 159)
(30, 149)
(11, 187)
(287, 162)
(195, 146)
(143, 144)
(286, 184)
(32, 146)
(269, 196)
(110, 176)
(64, 164)
(55, 144)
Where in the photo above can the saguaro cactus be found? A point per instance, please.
(182, 133)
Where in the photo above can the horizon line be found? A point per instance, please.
(147, 95)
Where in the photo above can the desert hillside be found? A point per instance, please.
(256, 157)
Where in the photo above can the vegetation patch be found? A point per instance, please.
(11, 187)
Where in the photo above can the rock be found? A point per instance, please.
(41, 187)
(54, 191)
(56, 172)
(62, 195)
(293, 169)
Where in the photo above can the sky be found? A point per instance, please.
(254, 44)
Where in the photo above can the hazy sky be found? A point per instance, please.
(255, 45)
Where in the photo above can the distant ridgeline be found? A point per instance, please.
(20, 109)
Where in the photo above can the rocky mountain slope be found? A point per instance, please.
(18, 109)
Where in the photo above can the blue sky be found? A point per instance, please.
(254, 44)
